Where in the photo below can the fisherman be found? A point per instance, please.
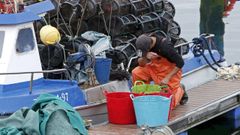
(211, 20)
(160, 63)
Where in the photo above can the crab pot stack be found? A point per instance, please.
(128, 19)
(123, 20)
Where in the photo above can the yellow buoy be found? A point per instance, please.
(49, 35)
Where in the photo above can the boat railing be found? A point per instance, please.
(36, 72)
(190, 42)
(206, 36)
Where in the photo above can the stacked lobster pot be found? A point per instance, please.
(125, 18)
(122, 20)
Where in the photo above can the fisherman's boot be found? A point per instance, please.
(184, 97)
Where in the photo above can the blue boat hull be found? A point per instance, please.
(16, 96)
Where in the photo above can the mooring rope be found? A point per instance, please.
(198, 50)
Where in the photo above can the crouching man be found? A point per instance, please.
(160, 63)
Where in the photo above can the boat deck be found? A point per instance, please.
(205, 102)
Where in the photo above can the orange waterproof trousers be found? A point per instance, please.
(156, 71)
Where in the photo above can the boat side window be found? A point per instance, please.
(25, 40)
(2, 33)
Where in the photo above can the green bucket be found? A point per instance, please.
(141, 87)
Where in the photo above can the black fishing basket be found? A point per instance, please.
(169, 7)
(150, 22)
(140, 7)
(183, 49)
(37, 27)
(96, 23)
(127, 38)
(166, 23)
(70, 10)
(121, 54)
(128, 50)
(123, 24)
(166, 15)
(72, 28)
(174, 29)
(157, 5)
(116, 7)
(91, 7)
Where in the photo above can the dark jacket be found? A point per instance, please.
(165, 49)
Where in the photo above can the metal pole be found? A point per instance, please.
(31, 84)
(130, 61)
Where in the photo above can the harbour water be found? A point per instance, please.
(188, 16)
(219, 126)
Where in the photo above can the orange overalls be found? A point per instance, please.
(156, 71)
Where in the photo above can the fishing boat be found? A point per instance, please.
(21, 74)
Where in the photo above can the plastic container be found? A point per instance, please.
(141, 87)
(120, 108)
(102, 69)
(151, 110)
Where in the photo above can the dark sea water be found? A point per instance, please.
(221, 125)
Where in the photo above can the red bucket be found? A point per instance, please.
(120, 108)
